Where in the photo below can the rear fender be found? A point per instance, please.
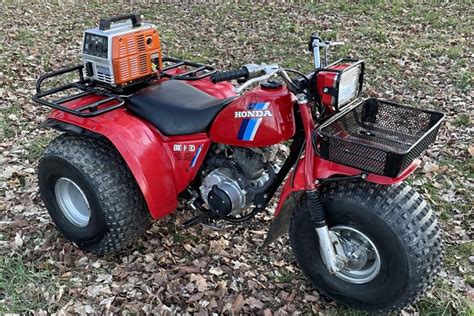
(294, 187)
(146, 153)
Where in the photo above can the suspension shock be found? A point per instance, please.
(328, 242)
(315, 208)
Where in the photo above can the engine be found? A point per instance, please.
(234, 180)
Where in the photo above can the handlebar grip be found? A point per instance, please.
(229, 75)
(104, 24)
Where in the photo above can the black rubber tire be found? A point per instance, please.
(118, 211)
(401, 225)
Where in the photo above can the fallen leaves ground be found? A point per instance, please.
(416, 54)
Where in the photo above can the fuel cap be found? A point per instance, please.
(271, 84)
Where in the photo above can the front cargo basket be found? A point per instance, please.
(378, 136)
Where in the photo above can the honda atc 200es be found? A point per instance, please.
(143, 131)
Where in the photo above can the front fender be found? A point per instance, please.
(323, 169)
(141, 147)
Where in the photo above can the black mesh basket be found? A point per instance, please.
(378, 136)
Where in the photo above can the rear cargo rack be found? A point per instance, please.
(198, 71)
(97, 100)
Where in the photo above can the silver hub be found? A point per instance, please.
(363, 258)
(72, 202)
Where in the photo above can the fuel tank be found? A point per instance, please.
(261, 117)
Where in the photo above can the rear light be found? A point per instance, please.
(340, 83)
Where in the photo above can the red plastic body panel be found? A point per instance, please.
(220, 90)
(162, 166)
(325, 169)
(261, 117)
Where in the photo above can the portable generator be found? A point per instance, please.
(121, 51)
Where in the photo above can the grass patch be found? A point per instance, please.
(455, 52)
(7, 118)
(466, 167)
(23, 288)
(283, 276)
(3, 128)
(181, 237)
(464, 80)
(462, 120)
(341, 51)
(456, 255)
(13, 109)
(432, 18)
(417, 84)
(375, 33)
(25, 37)
(443, 300)
(36, 147)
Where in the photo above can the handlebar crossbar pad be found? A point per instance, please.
(229, 75)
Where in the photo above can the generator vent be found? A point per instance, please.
(105, 78)
(143, 64)
(133, 67)
(141, 43)
(104, 74)
(132, 45)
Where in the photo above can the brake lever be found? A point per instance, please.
(269, 70)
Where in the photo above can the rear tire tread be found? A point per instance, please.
(119, 195)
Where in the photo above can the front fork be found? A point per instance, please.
(329, 244)
(330, 247)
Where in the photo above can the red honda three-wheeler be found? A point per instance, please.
(142, 131)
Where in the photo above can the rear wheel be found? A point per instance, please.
(90, 194)
(389, 235)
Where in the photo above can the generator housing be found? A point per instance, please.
(121, 51)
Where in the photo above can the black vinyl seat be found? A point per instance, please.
(176, 108)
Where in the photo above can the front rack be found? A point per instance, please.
(101, 102)
(97, 99)
(378, 136)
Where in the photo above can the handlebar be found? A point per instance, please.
(253, 74)
(230, 75)
(315, 43)
(336, 43)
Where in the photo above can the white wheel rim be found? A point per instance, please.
(73, 202)
(364, 258)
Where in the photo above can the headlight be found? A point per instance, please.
(340, 83)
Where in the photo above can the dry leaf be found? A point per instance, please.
(238, 304)
(195, 297)
(216, 271)
(254, 303)
(160, 271)
(471, 151)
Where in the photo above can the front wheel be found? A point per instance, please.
(390, 237)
